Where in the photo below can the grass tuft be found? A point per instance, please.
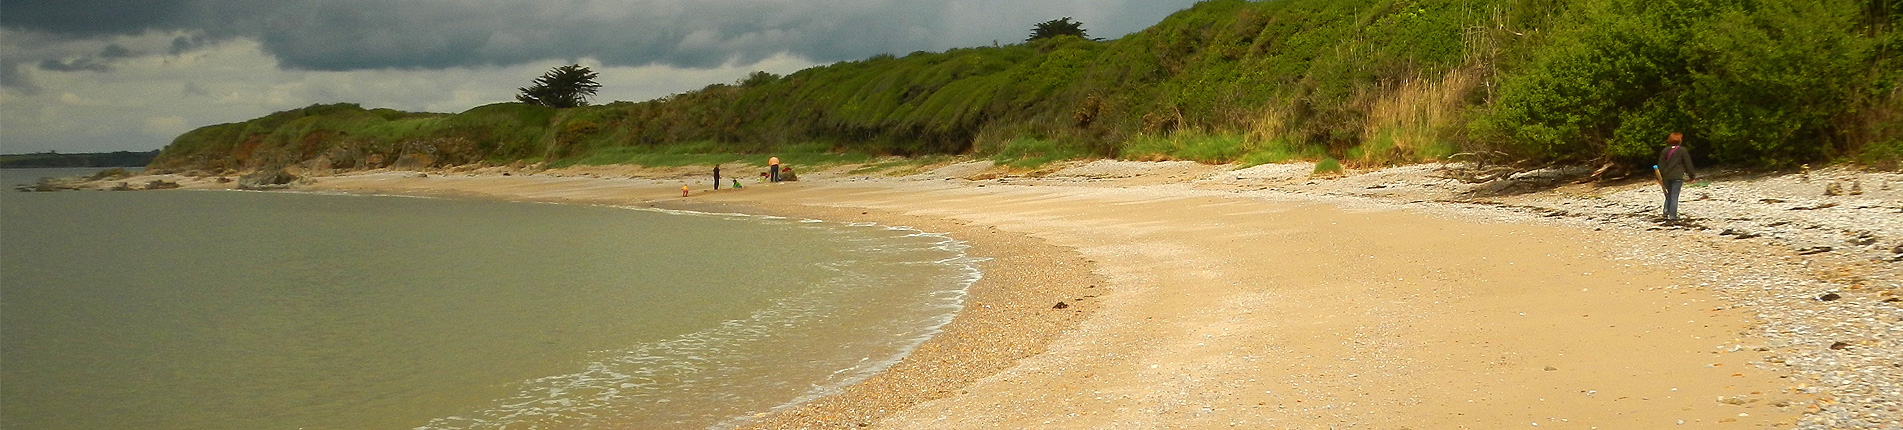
(1328, 167)
(1031, 153)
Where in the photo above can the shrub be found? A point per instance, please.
(1755, 82)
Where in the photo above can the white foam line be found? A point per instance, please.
(955, 301)
(606, 383)
(338, 193)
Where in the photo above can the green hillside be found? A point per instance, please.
(1369, 82)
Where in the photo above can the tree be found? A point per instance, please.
(562, 87)
(1057, 27)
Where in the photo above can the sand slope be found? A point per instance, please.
(1225, 311)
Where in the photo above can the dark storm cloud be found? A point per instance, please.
(87, 18)
(413, 34)
(115, 51)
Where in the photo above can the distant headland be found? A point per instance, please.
(86, 159)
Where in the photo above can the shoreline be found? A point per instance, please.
(1454, 338)
(1008, 297)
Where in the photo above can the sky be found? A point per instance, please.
(130, 75)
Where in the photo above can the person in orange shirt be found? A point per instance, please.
(773, 169)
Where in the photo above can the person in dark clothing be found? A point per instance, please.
(716, 176)
(1675, 166)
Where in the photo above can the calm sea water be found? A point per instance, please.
(241, 310)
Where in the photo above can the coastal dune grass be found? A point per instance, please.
(1034, 153)
(903, 166)
(707, 153)
(1218, 148)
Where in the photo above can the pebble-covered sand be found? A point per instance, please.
(1817, 256)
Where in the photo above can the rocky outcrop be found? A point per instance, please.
(48, 185)
(266, 179)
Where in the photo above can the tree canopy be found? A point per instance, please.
(562, 87)
(1057, 27)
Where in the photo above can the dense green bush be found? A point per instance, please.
(1753, 83)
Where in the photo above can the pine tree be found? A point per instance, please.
(562, 87)
(1057, 27)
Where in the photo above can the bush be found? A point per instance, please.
(1757, 83)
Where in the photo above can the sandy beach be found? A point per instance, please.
(1176, 295)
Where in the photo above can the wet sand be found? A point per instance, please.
(1203, 309)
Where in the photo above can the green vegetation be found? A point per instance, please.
(902, 166)
(1193, 146)
(1364, 82)
(1032, 153)
(90, 159)
(707, 153)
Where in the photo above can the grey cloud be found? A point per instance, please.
(184, 44)
(429, 34)
(83, 64)
(192, 89)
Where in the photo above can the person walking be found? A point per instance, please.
(716, 176)
(1675, 165)
(773, 169)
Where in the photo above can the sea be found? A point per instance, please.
(279, 310)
